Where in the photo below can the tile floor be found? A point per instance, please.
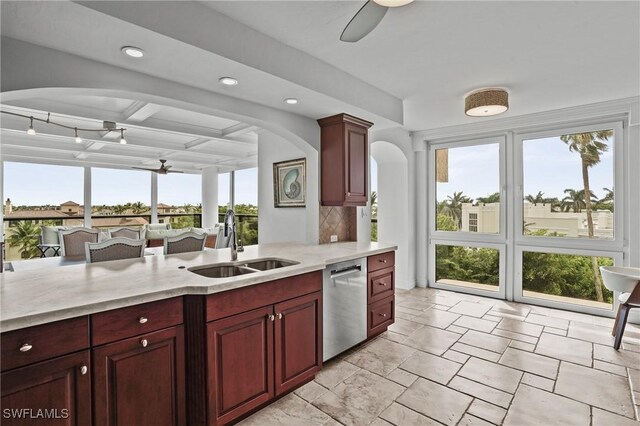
(458, 359)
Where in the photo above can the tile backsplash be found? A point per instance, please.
(340, 221)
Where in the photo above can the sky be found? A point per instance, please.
(39, 184)
(548, 167)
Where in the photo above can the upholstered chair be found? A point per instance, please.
(188, 241)
(114, 249)
(72, 240)
(124, 232)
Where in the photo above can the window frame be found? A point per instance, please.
(467, 236)
(614, 245)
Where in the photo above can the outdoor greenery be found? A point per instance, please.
(374, 216)
(557, 274)
(246, 222)
(26, 236)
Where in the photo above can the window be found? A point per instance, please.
(39, 195)
(473, 222)
(558, 173)
(180, 200)
(468, 185)
(246, 205)
(120, 198)
(471, 267)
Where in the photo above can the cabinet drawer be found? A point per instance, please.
(381, 315)
(139, 319)
(41, 342)
(380, 261)
(381, 284)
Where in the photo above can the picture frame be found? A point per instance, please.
(289, 183)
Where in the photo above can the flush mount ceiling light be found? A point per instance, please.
(290, 101)
(134, 52)
(393, 3)
(228, 81)
(486, 102)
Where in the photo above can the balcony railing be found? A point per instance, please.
(25, 246)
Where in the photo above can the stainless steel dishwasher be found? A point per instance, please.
(344, 306)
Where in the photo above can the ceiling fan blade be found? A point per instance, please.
(142, 168)
(174, 171)
(367, 18)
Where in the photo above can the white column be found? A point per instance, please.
(421, 205)
(232, 189)
(209, 197)
(154, 197)
(1, 197)
(87, 197)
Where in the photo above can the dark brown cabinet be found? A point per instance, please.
(298, 341)
(344, 156)
(259, 342)
(140, 380)
(380, 294)
(53, 392)
(46, 374)
(240, 352)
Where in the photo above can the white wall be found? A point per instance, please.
(285, 224)
(393, 152)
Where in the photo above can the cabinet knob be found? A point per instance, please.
(382, 284)
(271, 317)
(383, 315)
(142, 320)
(280, 315)
(382, 260)
(83, 370)
(25, 348)
(144, 343)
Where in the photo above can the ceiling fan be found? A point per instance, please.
(163, 170)
(368, 17)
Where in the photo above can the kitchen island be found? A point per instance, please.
(168, 346)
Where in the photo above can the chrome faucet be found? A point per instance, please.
(230, 226)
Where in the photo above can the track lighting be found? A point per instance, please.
(107, 126)
(31, 130)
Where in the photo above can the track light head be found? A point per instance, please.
(123, 141)
(78, 138)
(31, 130)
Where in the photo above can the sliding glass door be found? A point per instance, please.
(532, 220)
(570, 215)
(467, 216)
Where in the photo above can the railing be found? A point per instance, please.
(25, 246)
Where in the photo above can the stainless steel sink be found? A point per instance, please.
(221, 271)
(267, 264)
(234, 269)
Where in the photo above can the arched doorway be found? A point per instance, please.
(393, 216)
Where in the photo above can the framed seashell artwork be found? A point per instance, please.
(289, 183)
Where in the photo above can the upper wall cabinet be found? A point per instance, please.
(344, 160)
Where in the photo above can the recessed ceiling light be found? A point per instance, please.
(228, 81)
(291, 101)
(134, 52)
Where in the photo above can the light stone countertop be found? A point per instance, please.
(45, 295)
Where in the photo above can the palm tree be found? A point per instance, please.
(452, 206)
(25, 235)
(493, 198)
(590, 146)
(119, 209)
(608, 196)
(374, 204)
(538, 199)
(138, 207)
(573, 201)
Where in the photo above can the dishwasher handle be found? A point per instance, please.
(344, 272)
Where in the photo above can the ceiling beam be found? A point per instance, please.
(239, 129)
(96, 117)
(139, 111)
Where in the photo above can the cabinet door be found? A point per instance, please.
(298, 340)
(140, 380)
(240, 361)
(357, 165)
(54, 392)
